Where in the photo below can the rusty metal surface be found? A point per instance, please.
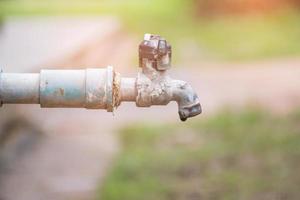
(155, 87)
(95, 88)
(116, 89)
(128, 89)
(109, 89)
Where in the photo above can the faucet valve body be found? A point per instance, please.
(104, 88)
(155, 87)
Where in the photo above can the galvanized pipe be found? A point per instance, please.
(19, 88)
(90, 88)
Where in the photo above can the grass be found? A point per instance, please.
(245, 155)
(223, 38)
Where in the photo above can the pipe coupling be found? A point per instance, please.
(90, 88)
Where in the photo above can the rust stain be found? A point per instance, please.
(61, 91)
(116, 90)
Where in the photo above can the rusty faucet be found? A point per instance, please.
(95, 88)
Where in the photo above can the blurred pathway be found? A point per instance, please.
(29, 42)
(272, 84)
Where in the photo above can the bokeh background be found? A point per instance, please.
(241, 56)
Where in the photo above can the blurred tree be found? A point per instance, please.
(242, 7)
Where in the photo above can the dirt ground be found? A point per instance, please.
(79, 145)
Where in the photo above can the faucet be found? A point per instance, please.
(104, 88)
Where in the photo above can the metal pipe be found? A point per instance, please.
(128, 89)
(90, 88)
(104, 88)
(19, 88)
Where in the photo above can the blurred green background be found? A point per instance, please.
(221, 29)
(233, 155)
(249, 153)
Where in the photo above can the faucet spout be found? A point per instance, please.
(187, 100)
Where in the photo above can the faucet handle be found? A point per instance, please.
(156, 50)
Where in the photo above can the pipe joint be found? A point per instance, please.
(91, 88)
